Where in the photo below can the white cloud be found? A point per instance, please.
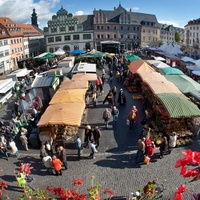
(168, 22)
(20, 11)
(80, 12)
(135, 8)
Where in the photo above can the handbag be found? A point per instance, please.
(146, 160)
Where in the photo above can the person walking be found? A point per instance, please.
(57, 165)
(14, 148)
(115, 114)
(88, 134)
(141, 150)
(114, 91)
(172, 142)
(62, 156)
(163, 147)
(47, 163)
(79, 146)
(131, 118)
(109, 98)
(23, 138)
(96, 135)
(121, 97)
(92, 149)
(43, 151)
(106, 117)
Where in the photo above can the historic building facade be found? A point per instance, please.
(129, 29)
(16, 43)
(69, 32)
(192, 37)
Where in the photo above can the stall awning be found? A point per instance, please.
(171, 71)
(70, 84)
(178, 105)
(84, 76)
(68, 96)
(139, 65)
(151, 76)
(183, 82)
(63, 114)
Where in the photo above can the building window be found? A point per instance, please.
(53, 30)
(51, 39)
(86, 36)
(101, 27)
(143, 38)
(98, 28)
(122, 28)
(115, 36)
(1, 43)
(1, 54)
(75, 37)
(108, 36)
(108, 27)
(101, 35)
(115, 27)
(149, 31)
(122, 36)
(143, 30)
(67, 37)
(71, 28)
(98, 36)
(6, 52)
(62, 29)
(58, 39)
(51, 50)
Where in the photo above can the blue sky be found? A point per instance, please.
(176, 12)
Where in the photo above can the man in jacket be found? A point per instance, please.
(96, 135)
(62, 156)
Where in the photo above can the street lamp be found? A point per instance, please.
(19, 91)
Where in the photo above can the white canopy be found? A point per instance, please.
(158, 58)
(59, 52)
(196, 73)
(197, 63)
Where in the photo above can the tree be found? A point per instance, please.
(177, 37)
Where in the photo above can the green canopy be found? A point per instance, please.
(93, 54)
(171, 71)
(178, 105)
(46, 55)
(184, 83)
(133, 57)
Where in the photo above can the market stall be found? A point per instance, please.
(61, 121)
(85, 76)
(70, 84)
(68, 96)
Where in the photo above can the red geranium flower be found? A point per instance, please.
(108, 191)
(181, 162)
(183, 171)
(178, 196)
(77, 182)
(181, 188)
(3, 184)
(192, 173)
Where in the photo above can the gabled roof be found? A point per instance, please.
(29, 30)
(86, 20)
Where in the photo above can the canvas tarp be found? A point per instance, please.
(151, 76)
(183, 82)
(63, 114)
(178, 105)
(138, 66)
(160, 87)
(70, 84)
(68, 96)
(85, 76)
(171, 71)
(133, 57)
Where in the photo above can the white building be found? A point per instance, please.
(192, 37)
(69, 32)
(5, 56)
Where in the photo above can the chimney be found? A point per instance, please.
(114, 8)
(130, 10)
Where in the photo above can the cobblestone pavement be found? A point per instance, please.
(114, 165)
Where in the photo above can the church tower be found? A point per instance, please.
(34, 18)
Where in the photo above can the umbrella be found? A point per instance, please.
(77, 52)
(68, 96)
(133, 57)
(139, 65)
(171, 71)
(93, 54)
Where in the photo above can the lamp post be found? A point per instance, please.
(19, 91)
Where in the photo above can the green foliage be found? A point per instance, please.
(177, 37)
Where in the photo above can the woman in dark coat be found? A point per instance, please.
(109, 98)
(121, 97)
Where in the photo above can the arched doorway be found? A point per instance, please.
(66, 48)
